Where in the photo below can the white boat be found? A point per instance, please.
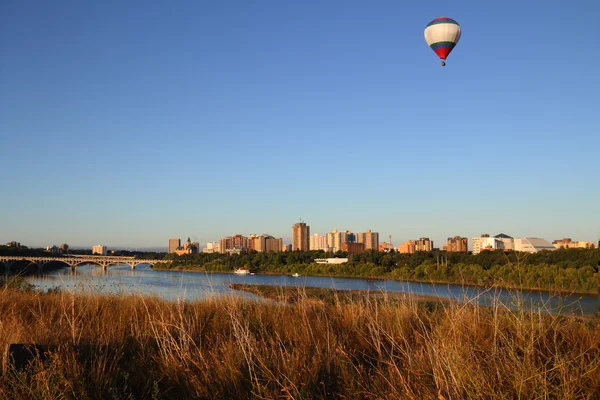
(295, 274)
(242, 271)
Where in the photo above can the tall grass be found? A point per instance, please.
(141, 347)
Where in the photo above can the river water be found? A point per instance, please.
(173, 285)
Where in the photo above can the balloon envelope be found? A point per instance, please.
(442, 34)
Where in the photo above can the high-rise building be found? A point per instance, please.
(99, 249)
(300, 237)
(233, 244)
(458, 244)
(370, 239)
(334, 240)
(273, 244)
(347, 237)
(264, 243)
(424, 244)
(408, 247)
(174, 244)
(318, 242)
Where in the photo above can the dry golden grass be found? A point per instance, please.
(228, 348)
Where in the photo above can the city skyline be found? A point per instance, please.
(197, 120)
(287, 239)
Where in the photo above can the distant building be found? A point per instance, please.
(53, 249)
(174, 244)
(370, 239)
(64, 248)
(331, 260)
(300, 237)
(498, 242)
(385, 246)
(532, 245)
(264, 243)
(286, 247)
(408, 247)
(334, 240)
(457, 244)
(13, 244)
(211, 247)
(233, 244)
(567, 243)
(99, 249)
(352, 248)
(188, 247)
(424, 244)
(318, 242)
(273, 244)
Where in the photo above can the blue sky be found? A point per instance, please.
(126, 123)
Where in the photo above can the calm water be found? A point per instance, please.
(196, 285)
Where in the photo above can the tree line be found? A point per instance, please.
(563, 269)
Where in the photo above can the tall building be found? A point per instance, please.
(458, 244)
(334, 240)
(264, 243)
(498, 242)
(318, 242)
(408, 247)
(273, 244)
(300, 237)
(370, 239)
(174, 244)
(233, 244)
(99, 249)
(424, 244)
(347, 237)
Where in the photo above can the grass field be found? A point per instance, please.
(109, 347)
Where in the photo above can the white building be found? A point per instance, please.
(211, 247)
(99, 249)
(331, 260)
(533, 245)
(335, 239)
(498, 242)
(318, 242)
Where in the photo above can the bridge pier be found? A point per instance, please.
(40, 267)
(7, 267)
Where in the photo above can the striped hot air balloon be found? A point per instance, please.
(442, 34)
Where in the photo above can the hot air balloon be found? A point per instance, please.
(442, 34)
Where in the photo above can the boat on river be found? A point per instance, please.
(295, 274)
(242, 271)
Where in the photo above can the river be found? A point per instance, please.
(173, 285)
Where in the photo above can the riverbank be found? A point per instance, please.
(391, 278)
(293, 294)
(143, 347)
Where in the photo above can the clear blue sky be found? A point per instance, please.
(126, 123)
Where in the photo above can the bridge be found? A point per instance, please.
(73, 261)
